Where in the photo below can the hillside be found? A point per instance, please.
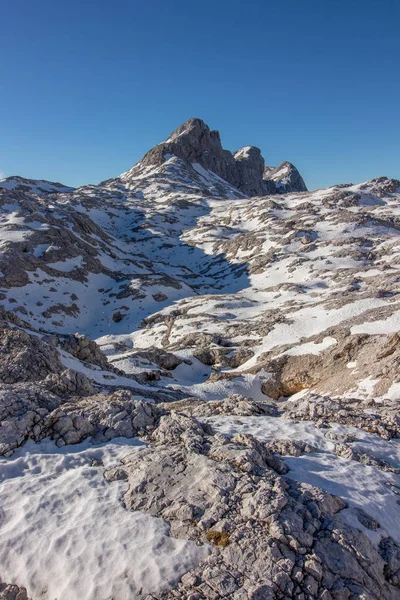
(199, 382)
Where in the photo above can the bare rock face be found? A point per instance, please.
(12, 592)
(40, 398)
(236, 404)
(165, 360)
(25, 357)
(249, 165)
(223, 356)
(269, 537)
(69, 382)
(68, 410)
(84, 349)
(195, 143)
(328, 369)
(103, 417)
(286, 178)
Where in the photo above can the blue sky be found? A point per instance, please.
(87, 87)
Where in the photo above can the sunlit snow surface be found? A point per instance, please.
(65, 534)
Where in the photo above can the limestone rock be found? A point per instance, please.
(84, 349)
(25, 357)
(12, 592)
(195, 143)
(286, 178)
(269, 537)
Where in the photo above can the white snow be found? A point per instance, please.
(97, 374)
(67, 265)
(280, 174)
(312, 347)
(14, 235)
(311, 321)
(40, 250)
(385, 326)
(65, 534)
(242, 153)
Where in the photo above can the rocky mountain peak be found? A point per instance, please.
(286, 177)
(195, 143)
(194, 127)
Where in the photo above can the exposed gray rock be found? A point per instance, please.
(84, 349)
(194, 142)
(24, 409)
(25, 357)
(158, 356)
(30, 411)
(249, 165)
(287, 447)
(222, 356)
(384, 420)
(12, 592)
(103, 417)
(286, 178)
(269, 537)
(69, 382)
(236, 404)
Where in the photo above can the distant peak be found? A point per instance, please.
(286, 177)
(195, 143)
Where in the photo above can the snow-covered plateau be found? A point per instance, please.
(200, 382)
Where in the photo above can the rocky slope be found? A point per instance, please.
(245, 169)
(246, 331)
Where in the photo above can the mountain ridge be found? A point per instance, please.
(227, 365)
(194, 142)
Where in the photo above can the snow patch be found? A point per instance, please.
(61, 518)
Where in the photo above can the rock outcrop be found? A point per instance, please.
(84, 349)
(270, 538)
(12, 592)
(25, 357)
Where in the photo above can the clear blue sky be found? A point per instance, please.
(88, 86)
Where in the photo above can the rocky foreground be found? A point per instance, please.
(199, 382)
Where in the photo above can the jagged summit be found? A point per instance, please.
(195, 143)
(197, 127)
(286, 177)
